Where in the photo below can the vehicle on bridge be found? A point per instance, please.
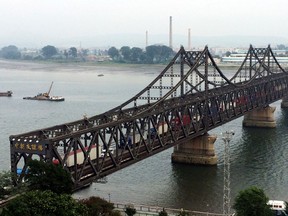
(241, 101)
(176, 122)
(200, 99)
(125, 143)
(162, 129)
(80, 155)
(129, 140)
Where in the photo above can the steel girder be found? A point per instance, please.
(202, 99)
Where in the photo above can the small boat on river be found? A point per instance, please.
(6, 94)
(45, 96)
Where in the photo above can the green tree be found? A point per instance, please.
(65, 54)
(44, 203)
(165, 53)
(158, 54)
(281, 47)
(5, 183)
(228, 53)
(252, 202)
(130, 210)
(73, 52)
(163, 213)
(46, 176)
(10, 52)
(85, 52)
(7, 187)
(125, 52)
(48, 51)
(113, 53)
(97, 206)
(136, 53)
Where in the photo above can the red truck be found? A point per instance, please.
(176, 123)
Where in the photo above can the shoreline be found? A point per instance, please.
(37, 64)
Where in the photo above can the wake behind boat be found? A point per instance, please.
(46, 96)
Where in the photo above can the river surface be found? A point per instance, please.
(258, 156)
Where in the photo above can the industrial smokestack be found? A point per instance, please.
(170, 33)
(189, 39)
(146, 38)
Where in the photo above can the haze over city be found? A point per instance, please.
(106, 23)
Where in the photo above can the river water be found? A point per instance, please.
(258, 156)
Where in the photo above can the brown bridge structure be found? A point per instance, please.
(177, 109)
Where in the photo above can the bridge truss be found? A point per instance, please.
(188, 98)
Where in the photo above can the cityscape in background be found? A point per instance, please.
(227, 55)
(225, 49)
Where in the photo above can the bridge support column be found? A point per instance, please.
(199, 150)
(263, 117)
(284, 103)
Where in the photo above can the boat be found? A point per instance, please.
(7, 94)
(46, 96)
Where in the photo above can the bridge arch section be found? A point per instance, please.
(190, 97)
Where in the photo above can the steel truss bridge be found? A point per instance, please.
(187, 99)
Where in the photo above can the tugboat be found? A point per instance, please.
(45, 96)
(7, 94)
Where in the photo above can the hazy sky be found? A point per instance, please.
(42, 22)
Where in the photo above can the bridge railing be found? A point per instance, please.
(142, 210)
(94, 147)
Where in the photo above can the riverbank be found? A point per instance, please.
(144, 210)
(87, 66)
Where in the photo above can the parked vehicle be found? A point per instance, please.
(277, 206)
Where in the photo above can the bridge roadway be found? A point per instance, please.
(187, 99)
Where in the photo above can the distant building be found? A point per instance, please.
(239, 57)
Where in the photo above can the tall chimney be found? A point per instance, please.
(170, 33)
(189, 39)
(146, 38)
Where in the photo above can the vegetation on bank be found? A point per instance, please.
(252, 201)
(153, 54)
(47, 191)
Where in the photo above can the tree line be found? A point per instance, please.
(48, 187)
(150, 55)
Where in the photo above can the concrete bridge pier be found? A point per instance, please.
(199, 151)
(263, 117)
(284, 103)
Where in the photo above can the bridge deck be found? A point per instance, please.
(188, 98)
